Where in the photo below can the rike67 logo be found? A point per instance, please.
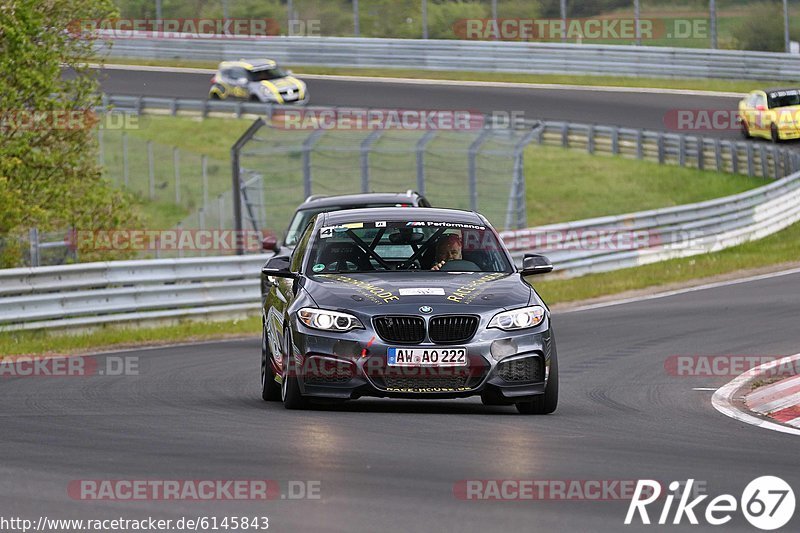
(767, 502)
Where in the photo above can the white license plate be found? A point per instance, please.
(427, 357)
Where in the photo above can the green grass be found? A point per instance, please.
(565, 184)
(776, 249)
(44, 342)
(565, 79)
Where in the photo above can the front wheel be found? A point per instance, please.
(774, 134)
(745, 130)
(547, 402)
(290, 388)
(270, 390)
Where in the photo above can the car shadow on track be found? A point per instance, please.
(432, 407)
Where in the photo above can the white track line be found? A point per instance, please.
(460, 83)
(679, 291)
(723, 399)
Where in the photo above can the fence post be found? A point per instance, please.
(204, 171)
(221, 210)
(176, 164)
(590, 139)
(421, 146)
(33, 242)
(764, 165)
(718, 154)
(615, 140)
(734, 157)
(565, 135)
(125, 158)
(308, 145)
(701, 153)
(236, 181)
(473, 168)
(749, 147)
(366, 146)
(681, 150)
(151, 170)
(639, 144)
(660, 146)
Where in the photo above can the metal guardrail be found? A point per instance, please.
(480, 56)
(98, 293)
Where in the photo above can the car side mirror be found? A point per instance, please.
(289, 73)
(270, 243)
(278, 267)
(534, 264)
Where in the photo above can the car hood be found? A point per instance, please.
(397, 292)
(288, 82)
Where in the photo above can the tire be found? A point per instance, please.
(215, 96)
(547, 402)
(270, 390)
(773, 133)
(290, 388)
(745, 130)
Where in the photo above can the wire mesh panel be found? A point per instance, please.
(463, 169)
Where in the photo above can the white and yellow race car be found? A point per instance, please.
(257, 81)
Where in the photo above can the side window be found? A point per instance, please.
(752, 100)
(300, 251)
(761, 100)
(226, 74)
(237, 73)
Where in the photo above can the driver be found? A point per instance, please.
(447, 249)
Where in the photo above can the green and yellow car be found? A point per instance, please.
(771, 113)
(257, 81)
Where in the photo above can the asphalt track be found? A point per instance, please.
(629, 109)
(194, 412)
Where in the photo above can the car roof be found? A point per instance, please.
(374, 214)
(356, 199)
(779, 89)
(250, 64)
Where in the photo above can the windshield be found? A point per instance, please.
(267, 74)
(784, 98)
(406, 246)
(304, 216)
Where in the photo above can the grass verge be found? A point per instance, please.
(455, 75)
(773, 250)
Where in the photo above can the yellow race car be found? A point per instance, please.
(772, 114)
(257, 81)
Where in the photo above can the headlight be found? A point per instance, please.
(524, 318)
(328, 320)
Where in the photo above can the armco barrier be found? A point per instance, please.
(480, 56)
(97, 293)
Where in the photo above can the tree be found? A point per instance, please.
(48, 154)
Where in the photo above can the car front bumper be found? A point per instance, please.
(504, 366)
